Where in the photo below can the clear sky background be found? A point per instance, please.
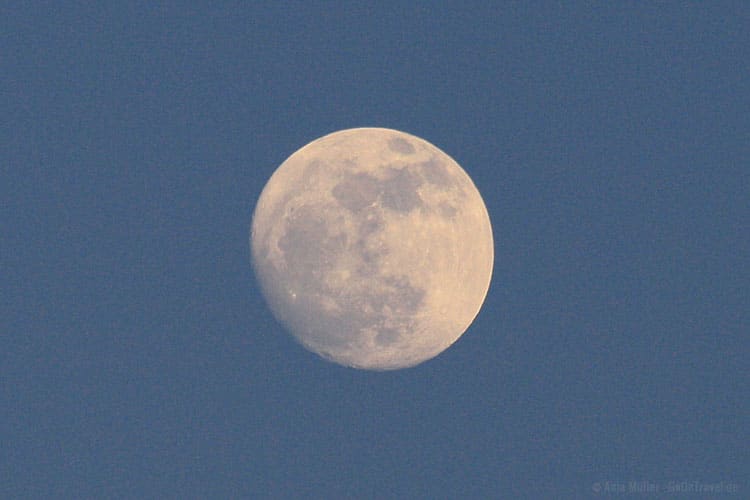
(611, 143)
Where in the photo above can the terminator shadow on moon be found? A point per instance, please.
(373, 248)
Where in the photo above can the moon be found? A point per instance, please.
(373, 248)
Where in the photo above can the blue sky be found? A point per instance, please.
(610, 143)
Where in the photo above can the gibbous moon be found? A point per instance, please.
(373, 247)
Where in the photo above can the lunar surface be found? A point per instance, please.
(373, 247)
